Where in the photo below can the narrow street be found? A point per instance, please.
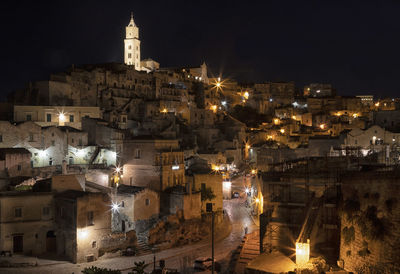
(177, 258)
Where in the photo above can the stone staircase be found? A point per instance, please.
(250, 249)
(142, 247)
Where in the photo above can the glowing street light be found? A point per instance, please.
(61, 117)
(115, 207)
(253, 171)
(214, 108)
(355, 115)
(257, 200)
(82, 234)
(42, 153)
(282, 130)
(322, 126)
(164, 110)
(302, 253)
(246, 95)
(276, 121)
(117, 169)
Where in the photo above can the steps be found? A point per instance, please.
(142, 247)
(250, 249)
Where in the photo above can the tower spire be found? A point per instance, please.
(131, 22)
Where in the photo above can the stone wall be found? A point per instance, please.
(370, 223)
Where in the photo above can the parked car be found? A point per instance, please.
(204, 263)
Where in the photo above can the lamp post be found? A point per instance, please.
(210, 209)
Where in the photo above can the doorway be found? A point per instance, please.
(51, 243)
(18, 243)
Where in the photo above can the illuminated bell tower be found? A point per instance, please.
(132, 45)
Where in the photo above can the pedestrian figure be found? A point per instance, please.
(245, 230)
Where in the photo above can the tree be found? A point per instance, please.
(139, 268)
(206, 194)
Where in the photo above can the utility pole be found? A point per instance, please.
(210, 209)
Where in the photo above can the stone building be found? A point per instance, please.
(15, 162)
(55, 116)
(201, 177)
(27, 222)
(152, 162)
(49, 146)
(134, 208)
(83, 222)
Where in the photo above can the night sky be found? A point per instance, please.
(354, 45)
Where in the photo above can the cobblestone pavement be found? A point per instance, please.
(178, 258)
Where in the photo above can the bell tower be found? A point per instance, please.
(132, 45)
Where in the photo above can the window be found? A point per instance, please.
(53, 143)
(90, 219)
(80, 142)
(137, 153)
(29, 117)
(129, 55)
(122, 204)
(48, 117)
(94, 244)
(71, 118)
(124, 119)
(46, 211)
(131, 181)
(62, 212)
(129, 47)
(30, 137)
(18, 212)
(72, 140)
(147, 202)
(1, 138)
(52, 134)
(50, 161)
(19, 167)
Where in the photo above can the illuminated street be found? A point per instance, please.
(174, 257)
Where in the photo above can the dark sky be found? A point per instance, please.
(352, 44)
